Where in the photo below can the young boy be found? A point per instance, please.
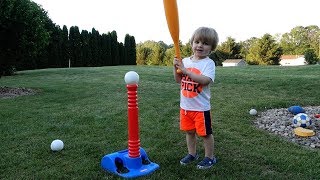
(197, 72)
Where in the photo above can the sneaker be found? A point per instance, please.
(207, 163)
(188, 159)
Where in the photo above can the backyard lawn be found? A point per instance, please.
(87, 109)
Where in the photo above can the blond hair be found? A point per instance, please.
(206, 34)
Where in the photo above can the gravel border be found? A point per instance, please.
(9, 92)
(279, 122)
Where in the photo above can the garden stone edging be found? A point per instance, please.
(279, 122)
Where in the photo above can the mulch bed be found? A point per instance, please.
(9, 92)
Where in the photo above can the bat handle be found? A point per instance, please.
(178, 55)
(179, 71)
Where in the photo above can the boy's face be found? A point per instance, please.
(201, 49)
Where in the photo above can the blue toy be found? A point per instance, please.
(296, 110)
(119, 163)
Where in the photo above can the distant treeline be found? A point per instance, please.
(265, 50)
(30, 40)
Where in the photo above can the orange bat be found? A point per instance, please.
(171, 10)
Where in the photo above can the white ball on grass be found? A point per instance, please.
(253, 112)
(57, 145)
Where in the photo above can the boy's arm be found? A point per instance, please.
(201, 79)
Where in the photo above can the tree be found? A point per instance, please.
(314, 38)
(108, 49)
(299, 39)
(86, 51)
(230, 49)
(105, 51)
(75, 47)
(245, 46)
(114, 48)
(95, 48)
(218, 57)
(151, 53)
(143, 53)
(311, 56)
(157, 55)
(168, 57)
(186, 50)
(22, 33)
(65, 47)
(54, 48)
(130, 50)
(264, 51)
(122, 53)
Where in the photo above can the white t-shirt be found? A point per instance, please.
(194, 96)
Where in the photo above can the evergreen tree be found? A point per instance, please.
(75, 47)
(65, 47)
(264, 51)
(95, 48)
(114, 48)
(86, 48)
(55, 48)
(108, 49)
(231, 49)
(133, 53)
(122, 54)
(104, 49)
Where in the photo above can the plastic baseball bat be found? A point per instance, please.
(171, 11)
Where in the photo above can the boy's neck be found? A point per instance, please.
(197, 58)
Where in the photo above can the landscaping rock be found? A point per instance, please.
(279, 122)
(9, 92)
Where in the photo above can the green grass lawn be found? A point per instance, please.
(87, 109)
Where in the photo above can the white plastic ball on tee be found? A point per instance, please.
(57, 145)
(253, 112)
(131, 77)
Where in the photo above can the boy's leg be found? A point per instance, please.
(209, 159)
(191, 145)
(208, 142)
(191, 142)
(187, 125)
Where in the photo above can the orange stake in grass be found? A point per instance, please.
(171, 11)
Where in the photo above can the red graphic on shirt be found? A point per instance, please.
(190, 88)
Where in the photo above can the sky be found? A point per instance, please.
(145, 19)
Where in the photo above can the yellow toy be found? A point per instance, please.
(299, 131)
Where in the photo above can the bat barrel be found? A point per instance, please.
(171, 12)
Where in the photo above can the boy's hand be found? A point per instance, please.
(179, 65)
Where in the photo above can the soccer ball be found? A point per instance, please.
(301, 120)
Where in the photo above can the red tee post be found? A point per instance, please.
(133, 122)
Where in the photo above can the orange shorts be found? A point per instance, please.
(196, 120)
